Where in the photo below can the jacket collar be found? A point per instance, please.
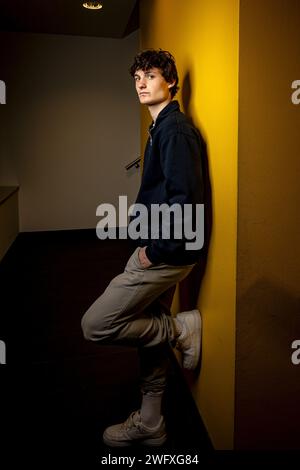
(172, 106)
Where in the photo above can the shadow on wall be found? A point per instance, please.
(189, 288)
(267, 381)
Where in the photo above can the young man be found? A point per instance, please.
(134, 308)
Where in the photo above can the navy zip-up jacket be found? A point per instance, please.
(172, 173)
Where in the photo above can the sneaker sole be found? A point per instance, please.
(110, 443)
(157, 441)
(150, 442)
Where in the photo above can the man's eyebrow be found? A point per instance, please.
(145, 71)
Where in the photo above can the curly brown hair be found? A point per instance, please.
(160, 59)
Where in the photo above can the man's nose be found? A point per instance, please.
(141, 83)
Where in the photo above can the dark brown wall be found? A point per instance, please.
(268, 269)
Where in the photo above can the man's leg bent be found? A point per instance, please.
(154, 361)
(120, 315)
(154, 365)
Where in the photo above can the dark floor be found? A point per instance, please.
(62, 391)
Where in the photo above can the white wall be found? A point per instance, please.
(70, 125)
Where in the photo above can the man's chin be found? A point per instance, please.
(148, 101)
(145, 99)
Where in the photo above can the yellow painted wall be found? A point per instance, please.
(203, 37)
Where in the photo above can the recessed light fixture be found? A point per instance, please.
(92, 5)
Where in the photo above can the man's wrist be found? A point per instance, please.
(143, 257)
(146, 254)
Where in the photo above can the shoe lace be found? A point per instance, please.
(181, 340)
(130, 422)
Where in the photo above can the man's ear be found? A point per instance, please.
(171, 84)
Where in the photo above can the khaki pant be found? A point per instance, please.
(134, 310)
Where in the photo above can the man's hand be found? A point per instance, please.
(144, 260)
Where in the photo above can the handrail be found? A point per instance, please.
(135, 163)
(6, 192)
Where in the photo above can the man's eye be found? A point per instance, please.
(150, 76)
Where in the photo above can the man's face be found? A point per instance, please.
(151, 86)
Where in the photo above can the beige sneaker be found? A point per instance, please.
(189, 340)
(133, 431)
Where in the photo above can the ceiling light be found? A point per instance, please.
(92, 5)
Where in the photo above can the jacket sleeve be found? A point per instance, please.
(180, 159)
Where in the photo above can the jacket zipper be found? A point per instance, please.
(149, 131)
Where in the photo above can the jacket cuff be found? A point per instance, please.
(152, 256)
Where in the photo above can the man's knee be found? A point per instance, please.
(96, 327)
(86, 327)
(92, 330)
